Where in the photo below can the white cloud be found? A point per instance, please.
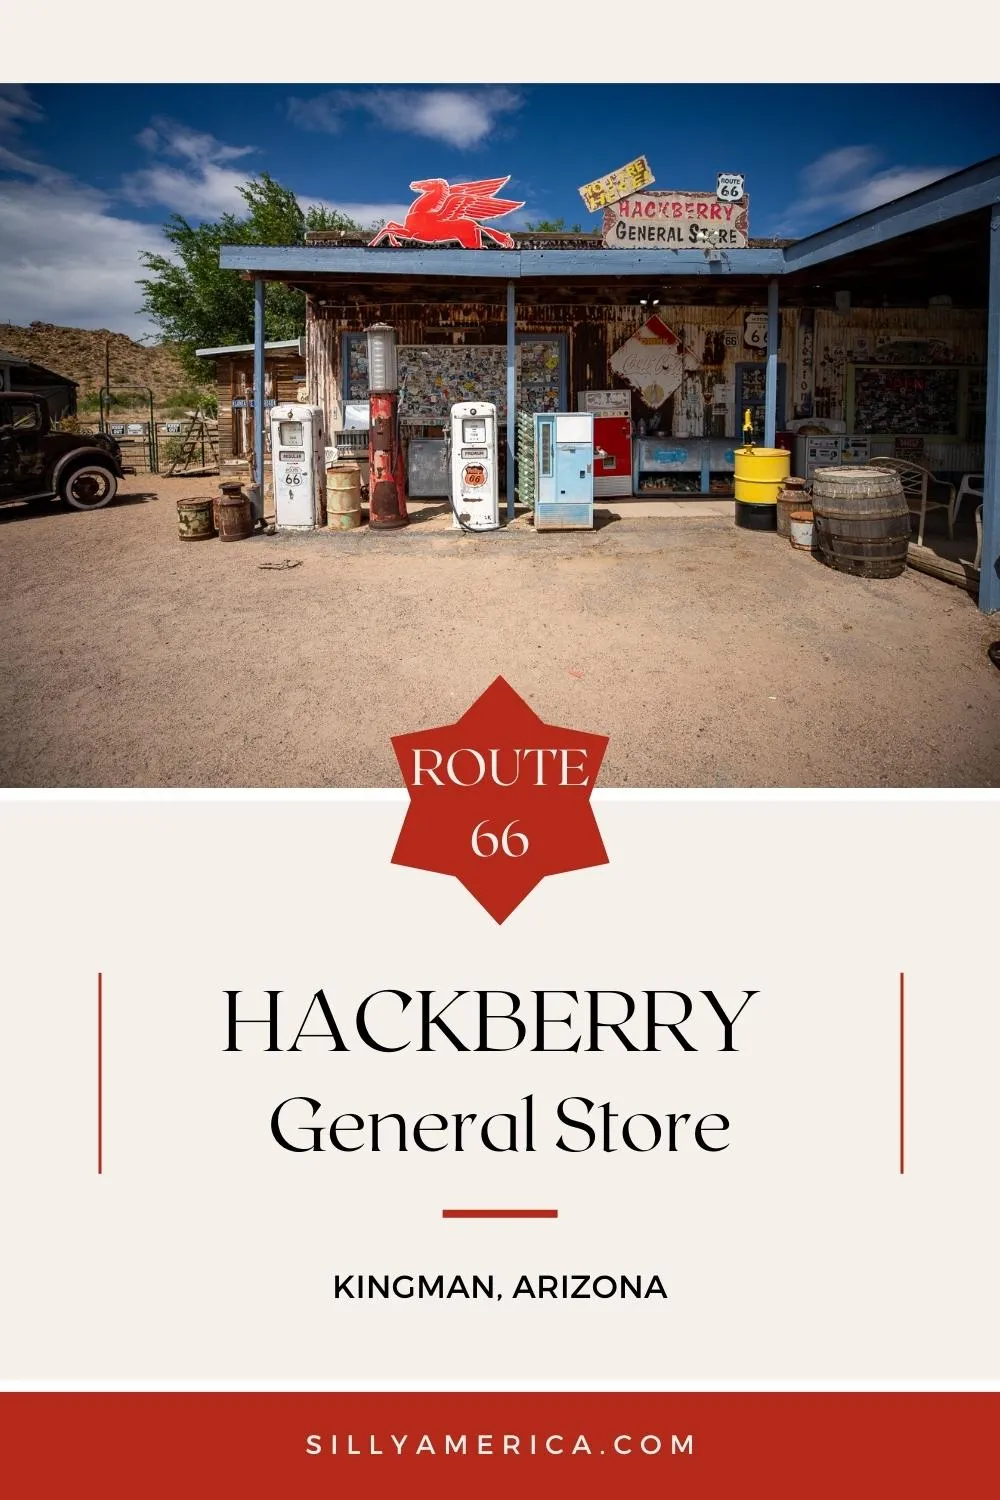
(362, 213)
(213, 191)
(68, 260)
(458, 117)
(170, 138)
(843, 183)
(835, 166)
(895, 183)
(17, 108)
(201, 187)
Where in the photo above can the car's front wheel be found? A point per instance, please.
(89, 487)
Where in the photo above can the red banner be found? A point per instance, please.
(636, 1445)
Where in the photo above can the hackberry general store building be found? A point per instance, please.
(882, 332)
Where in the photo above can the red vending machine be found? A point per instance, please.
(612, 440)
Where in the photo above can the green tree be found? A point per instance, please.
(553, 226)
(196, 305)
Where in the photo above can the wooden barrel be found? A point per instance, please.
(790, 497)
(343, 496)
(235, 518)
(194, 520)
(862, 521)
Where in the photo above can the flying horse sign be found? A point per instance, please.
(446, 213)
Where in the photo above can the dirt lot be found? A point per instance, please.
(711, 656)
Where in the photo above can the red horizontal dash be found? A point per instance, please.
(499, 1213)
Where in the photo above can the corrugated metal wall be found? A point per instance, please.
(595, 332)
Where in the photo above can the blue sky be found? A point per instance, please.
(88, 173)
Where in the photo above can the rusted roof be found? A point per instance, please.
(523, 239)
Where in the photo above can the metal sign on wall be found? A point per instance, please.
(676, 221)
(631, 178)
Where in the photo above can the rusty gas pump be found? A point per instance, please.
(386, 479)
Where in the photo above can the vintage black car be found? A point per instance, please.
(36, 463)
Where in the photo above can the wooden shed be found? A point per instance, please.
(284, 377)
(17, 374)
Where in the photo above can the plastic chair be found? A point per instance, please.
(972, 484)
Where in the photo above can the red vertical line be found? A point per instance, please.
(100, 1074)
(902, 1075)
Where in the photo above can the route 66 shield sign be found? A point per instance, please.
(730, 187)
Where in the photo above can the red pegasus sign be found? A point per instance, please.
(446, 212)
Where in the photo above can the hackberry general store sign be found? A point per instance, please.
(676, 221)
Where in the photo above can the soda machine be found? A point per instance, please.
(564, 470)
(612, 413)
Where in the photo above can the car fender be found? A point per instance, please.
(88, 455)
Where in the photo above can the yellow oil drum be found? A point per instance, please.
(760, 474)
(343, 496)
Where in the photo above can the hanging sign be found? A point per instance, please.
(449, 213)
(631, 178)
(729, 187)
(675, 221)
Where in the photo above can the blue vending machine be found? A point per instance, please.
(564, 470)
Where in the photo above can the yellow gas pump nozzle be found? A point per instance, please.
(747, 429)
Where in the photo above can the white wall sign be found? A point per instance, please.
(755, 330)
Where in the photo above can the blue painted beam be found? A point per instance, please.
(989, 575)
(321, 260)
(950, 198)
(649, 264)
(511, 397)
(771, 368)
(259, 411)
(500, 265)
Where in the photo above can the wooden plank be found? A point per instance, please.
(290, 260)
(491, 265)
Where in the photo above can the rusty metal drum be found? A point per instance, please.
(343, 496)
(235, 518)
(790, 497)
(194, 519)
(862, 520)
(802, 531)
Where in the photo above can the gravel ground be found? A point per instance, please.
(711, 656)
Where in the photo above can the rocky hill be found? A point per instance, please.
(79, 353)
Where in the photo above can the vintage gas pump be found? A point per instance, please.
(386, 480)
(473, 468)
(298, 466)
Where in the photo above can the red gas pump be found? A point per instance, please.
(386, 479)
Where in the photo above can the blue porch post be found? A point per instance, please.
(771, 371)
(989, 576)
(259, 413)
(511, 397)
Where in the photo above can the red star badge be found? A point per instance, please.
(500, 799)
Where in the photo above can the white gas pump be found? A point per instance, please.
(475, 472)
(298, 466)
